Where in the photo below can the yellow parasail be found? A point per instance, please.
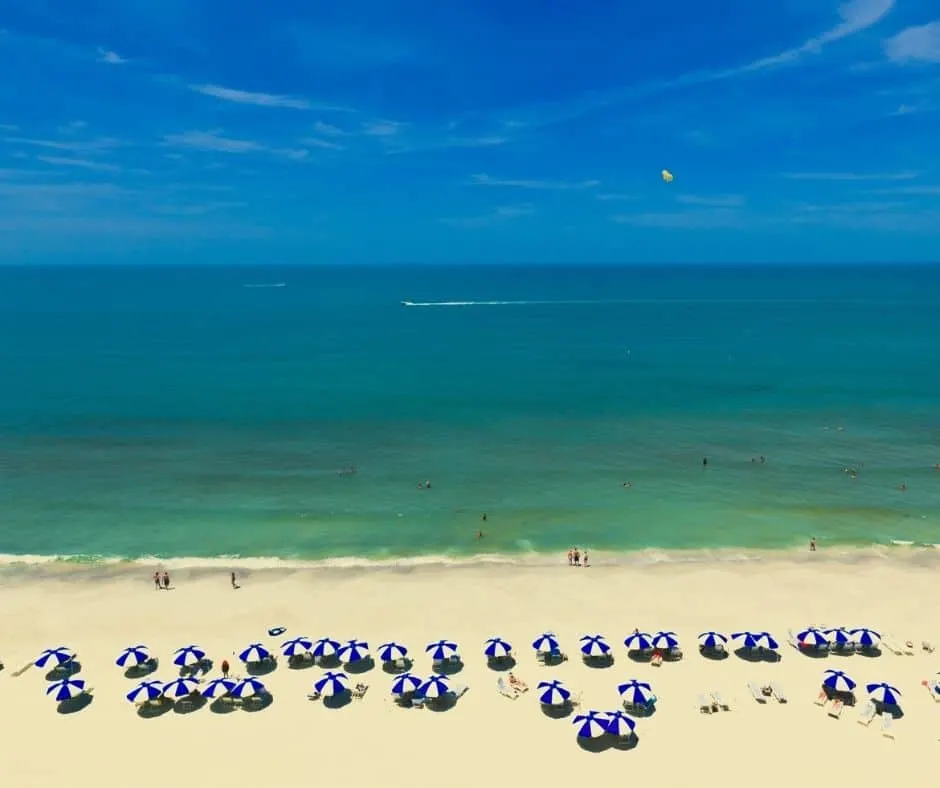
(667, 176)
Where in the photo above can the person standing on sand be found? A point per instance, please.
(570, 556)
(234, 584)
(156, 580)
(812, 545)
(166, 580)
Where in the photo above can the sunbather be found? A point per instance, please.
(517, 684)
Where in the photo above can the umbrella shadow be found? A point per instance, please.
(189, 705)
(639, 656)
(76, 704)
(641, 709)
(257, 702)
(150, 711)
(299, 663)
(262, 668)
(339, 701)
(595, 745)
(625, 742)
(223, 705)
(360, 665)
(714, 654)
(871, 653)
(444, 703)
(757, 655)
(396, 668)
(144, 669)
(815, 653)
(194, 670)
(558, 712)
(889, 710)
(501, 664)
(605, 661)
(449, 667)
(59, 672)
(330, 662)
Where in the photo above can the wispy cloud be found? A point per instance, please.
(709, 218)
(911, 191)
(498, 216)
(382, 128)
(486, 180)
(904, 175)
(248, 97)
(712, 201)
(211, 141)
(920, 43)
(328, 129)
(73, 145)
(612, 196)
(110, 56)
(316, 142)
(86, 164)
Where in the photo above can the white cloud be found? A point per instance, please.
(707, 219)
(248, 97)
(485, 180)
(75, 146)
(211, 141)
(614, 196)
(87, 164)
(497, 216)
(110, 56)
(904, 175)
(316, 142)
(382, 128)
(328, 129)
(712, 201)
(921, 43)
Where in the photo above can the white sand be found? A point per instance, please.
(484, 738)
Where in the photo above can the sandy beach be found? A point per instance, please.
(97, 612)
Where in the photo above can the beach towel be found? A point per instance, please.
(275, 631)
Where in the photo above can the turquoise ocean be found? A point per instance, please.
(202, 412)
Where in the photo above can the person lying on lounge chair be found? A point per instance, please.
(517, 684)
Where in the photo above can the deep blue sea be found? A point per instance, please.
(198, 412)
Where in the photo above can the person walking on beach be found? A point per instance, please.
(585, 559)
(577, 557)
(570, 556)
(225, 668)
(812, 545)
(234, 584)
(156, 580)
(166, 580)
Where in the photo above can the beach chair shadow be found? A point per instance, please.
(202, 667)
(558, 712)
(890, 711)
(757, 655)
(337, 701)
(262, 668)
(623, 743)
(398, 666)
(846, 698)
(871, 653)
(145, 669)
(257, 703)
(150, 711)
(501, 664)
(606, 661)
(60, 672)
(552, 658)
(640, 709)
(449, 667)
(223, 705)
(714, 654)
(595, 745)
(360, 666)
(189, 705)
(75, 705)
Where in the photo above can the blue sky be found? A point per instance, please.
(485, 131)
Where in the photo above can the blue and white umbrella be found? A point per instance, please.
(58, 656)
(712, 640)
(325, 647)
(218, 688)
(866, 638)
(496, 648)
(188, 655)
(390, 652)
(67, 689)
(838, 681)
(751, 640)
(331, 683)
(553, 693)
(665, 640)
(619, 724)
(254, 653)
(405, 684)
(247, 688)
(296, 646)
(180, 688)
(591, 725)
(638, 641)
(812, 638)
(635, 692)
(883, 692)
(594, 646)
(133, 657)
(546, 642)
(766, 640)
(145, 691)
(434, 687)
(441, 650)
(353, 651)
(838, 636)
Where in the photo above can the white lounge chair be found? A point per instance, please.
(887, 726)
(931, 687)
(359, 691)
(927, 646)
(822, 698)
(418, 703)
(459, 690)
(505, 690)
(779, 694)
(791, 639)
(756, 692)
(313, 696)
(835, 710)
(888, 642)
(720, 702)
(867, 714)
(705, 706)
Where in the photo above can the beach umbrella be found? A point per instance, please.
(188, 655)
(405, 684)
(496, 648)
(665, 640)
(812, 638)
(545, 642)
(296, 646)
(753, 640)
(883, 692)
(434, 687)
(325, 647)
(179, 688)
(866, 638)
(353, 651)
(637, 693)
(553, 693)
(332, 683)
(254, 653)
(594, 646)
(146, 690)
(58, 656)
(248, 687)
(591, 725)
(133, 657)
(838, 636)
(67, 689)
(638, 641)
(218, 687)
(389, 652)
(619, 724)
(712, 640)
(441, 650)
(838, 681)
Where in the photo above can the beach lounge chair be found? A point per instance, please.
(835, 710)
(931, 687)
(888, 642)
(656, 660)
(575, 701)
(313, 696)
(505, 690)
(925, 645)
(887, 726)
(756, 692)
(791, 639)
(779, 694)
(705, 706)
(518, 684)
(401, 663)
(459, 690)
(867, 714)
(359, 691)
(822, 698)
(418, 703)
(720, 702)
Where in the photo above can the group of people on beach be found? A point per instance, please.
(574, 557)
(161, 581)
